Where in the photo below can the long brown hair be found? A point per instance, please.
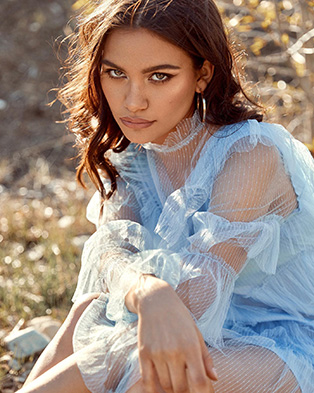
(193, 25)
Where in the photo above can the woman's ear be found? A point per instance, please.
(205, 75)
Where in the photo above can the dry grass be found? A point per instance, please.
(42, 229)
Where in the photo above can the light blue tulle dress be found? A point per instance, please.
(226, 217)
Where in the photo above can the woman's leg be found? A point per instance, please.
(252, 369)
(63, 377)
(249, 369)
(241, 369)
(60, 346)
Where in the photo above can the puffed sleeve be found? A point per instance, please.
(120, 251)
(121, 205)
(251, 195)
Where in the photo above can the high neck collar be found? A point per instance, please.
(184, 133)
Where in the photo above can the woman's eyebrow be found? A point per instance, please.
(161, 67)
(110, 64)
(146, 70)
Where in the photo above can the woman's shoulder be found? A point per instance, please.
(252, 128)
(260, 138)
(246, 135)
(254, 138)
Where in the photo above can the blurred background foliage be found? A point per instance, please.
(278, 37)
(42, 210)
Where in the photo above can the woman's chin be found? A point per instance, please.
(140, 139)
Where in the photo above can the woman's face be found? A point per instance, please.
(149, 84)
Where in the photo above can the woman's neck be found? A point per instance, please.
(175, 159)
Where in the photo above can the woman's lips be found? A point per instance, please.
(136, 123)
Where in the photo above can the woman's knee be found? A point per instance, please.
(61, 345)
(81, 304)
(67, 328)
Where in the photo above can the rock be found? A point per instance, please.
(26, 342)
(45, 325)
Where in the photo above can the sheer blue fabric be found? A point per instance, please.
(226, 217)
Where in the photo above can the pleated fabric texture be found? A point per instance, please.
(226, 217)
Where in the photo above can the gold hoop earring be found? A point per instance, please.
(200, 97)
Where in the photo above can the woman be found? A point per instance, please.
(199, 277)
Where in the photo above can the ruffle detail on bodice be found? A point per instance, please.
(184, 133)
(183, 203)
(133, 169)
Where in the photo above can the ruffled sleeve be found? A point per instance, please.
(120, 251)
(251, 196)
(122, 205)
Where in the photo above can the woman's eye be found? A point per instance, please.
(159, 77)
(116, 74)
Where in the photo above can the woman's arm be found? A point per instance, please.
(170, 345)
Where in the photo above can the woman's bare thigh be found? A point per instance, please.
(63, 377)
(252, 369)
(61, 345)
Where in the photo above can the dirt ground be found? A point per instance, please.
(29, 35)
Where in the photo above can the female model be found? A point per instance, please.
(199, 277)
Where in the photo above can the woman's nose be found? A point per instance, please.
(135, 99)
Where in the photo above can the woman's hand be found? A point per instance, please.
(171, 348)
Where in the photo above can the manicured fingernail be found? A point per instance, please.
(215, 375)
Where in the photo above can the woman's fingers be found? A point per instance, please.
(187, 370)
(148, 375)
(163, 375)
(176, 376)
(208, 363)
(207, 359)
(179, 380)
(197, 379)
(150, 379)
